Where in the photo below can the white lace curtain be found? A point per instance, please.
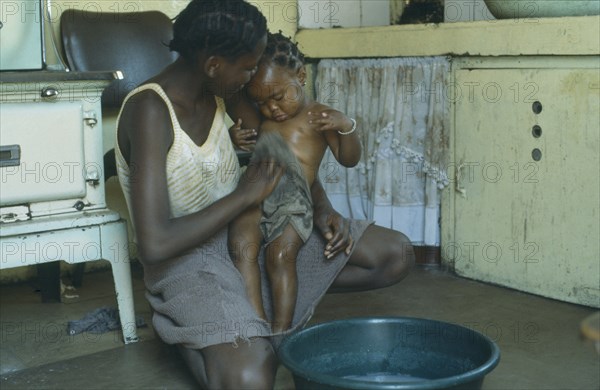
(401, 108)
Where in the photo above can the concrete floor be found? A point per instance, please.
(538, 338)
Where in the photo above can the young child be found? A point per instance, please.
(296, 130)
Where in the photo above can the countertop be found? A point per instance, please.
(566, 36)
(42, 76)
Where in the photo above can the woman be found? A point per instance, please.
(183, 185)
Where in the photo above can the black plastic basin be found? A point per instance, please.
(388, 353)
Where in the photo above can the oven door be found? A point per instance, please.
(42, 152)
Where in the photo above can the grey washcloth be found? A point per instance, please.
(290, 203)
(101, 320)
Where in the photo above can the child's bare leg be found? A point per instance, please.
(281, 256)
(244, 240)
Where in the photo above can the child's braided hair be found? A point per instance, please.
(283, 52)
(228, 28)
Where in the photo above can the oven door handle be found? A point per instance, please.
(10, 155)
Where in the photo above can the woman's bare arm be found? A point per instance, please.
(334, 227)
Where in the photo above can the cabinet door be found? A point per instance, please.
(526, 211)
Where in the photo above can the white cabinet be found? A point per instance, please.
(52, 204)
(525, 208)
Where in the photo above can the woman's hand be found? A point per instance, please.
(260, 179)
(336, 230)
(329, 119)
(243, 139)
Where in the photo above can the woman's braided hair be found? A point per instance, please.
(283, 52)
(228, 28)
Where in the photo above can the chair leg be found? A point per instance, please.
(115, 250)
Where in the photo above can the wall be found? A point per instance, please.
(347, 13)
(463, 11)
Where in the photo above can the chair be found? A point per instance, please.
(134, 43)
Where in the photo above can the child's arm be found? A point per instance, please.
(240, 106)
(243, 139)
(340, 133)
(242, 110)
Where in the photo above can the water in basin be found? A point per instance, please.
(385, 377)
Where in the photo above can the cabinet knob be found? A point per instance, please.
(49, 93)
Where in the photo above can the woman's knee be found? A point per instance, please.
(250, 376)
(247, 366)
(400, 257)
(392, 255)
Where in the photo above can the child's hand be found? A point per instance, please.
(329, 119)
(244, 139)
